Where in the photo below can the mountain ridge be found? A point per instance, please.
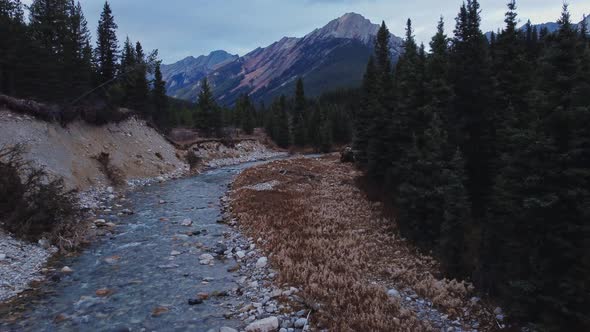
(551, 26)
(331, 57)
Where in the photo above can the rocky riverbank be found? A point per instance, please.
(263, 305)
(22, 264)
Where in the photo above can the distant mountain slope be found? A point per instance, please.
(332, 57)
(182, 78)
(550, 26)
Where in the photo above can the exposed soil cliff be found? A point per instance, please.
(133, 148)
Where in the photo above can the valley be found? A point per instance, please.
(309, 174)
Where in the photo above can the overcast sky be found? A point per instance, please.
(179, 28)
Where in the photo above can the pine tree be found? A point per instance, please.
(208, 114)
(13, 42)
(107, 49)
(537, 208)
(383, 62)
(581, 93)
(313, 126)
(159, 99)
(126, 72)
(438, 92)
(419, 196)
(456, 218)
(245, 114)
(364, 116)
(325, 131)
(139, 95)
(379, 156)
(280, 122)
(531, 42)
(81, 52)
(48, 26)
(407, 123)
(512, 73)
(298, 121)
(557, 212)
(472, 116)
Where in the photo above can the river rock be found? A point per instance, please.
(219, 294)
(186, 222)
(241, 254)
(66, 269)
(2, 257)
(205, 259)
(44, 243)
(158, 311)
(233, 268)
(100, 223)
(220, 248)
(270, 324)
(394, 293)
(175, 253)
(227, 329)
(262, 261)
(194, 301)
(300, 323)
(127, 212)
(104, 292)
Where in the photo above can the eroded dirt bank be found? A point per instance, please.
(71, 152)
(356, 273)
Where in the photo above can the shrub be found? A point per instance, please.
(93, 111)
(33, 204)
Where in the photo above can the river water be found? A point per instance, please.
(149, 268)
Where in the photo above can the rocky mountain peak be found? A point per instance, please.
(349, 26)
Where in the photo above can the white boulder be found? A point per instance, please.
(270, 324)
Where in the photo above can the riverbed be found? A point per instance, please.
(142, 277)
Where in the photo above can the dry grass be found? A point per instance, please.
(325, 236)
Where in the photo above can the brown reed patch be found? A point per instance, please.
(326, 237)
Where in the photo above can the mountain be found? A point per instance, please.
(329, 58)
(183, 77)
(550, 26)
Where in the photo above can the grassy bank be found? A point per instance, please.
(324, 235)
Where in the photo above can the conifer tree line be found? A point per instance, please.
(318, 123)
(484, 149)
(51, 58)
